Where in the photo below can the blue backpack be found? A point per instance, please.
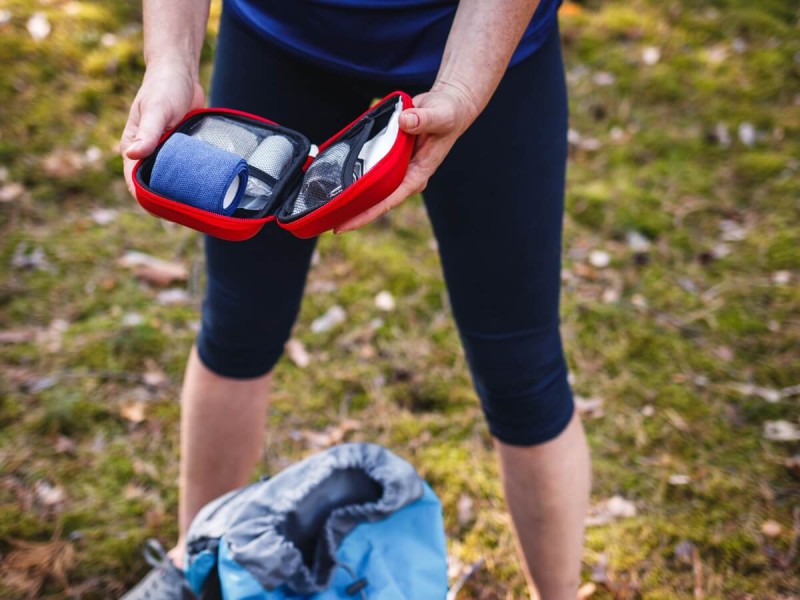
(354, 522)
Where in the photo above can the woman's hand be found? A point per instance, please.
(440, 116)
(169, 90)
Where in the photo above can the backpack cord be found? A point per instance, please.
(156, 557)
(358, 585)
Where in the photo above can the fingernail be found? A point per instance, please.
(411, 120)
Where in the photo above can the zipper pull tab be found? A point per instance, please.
(313, 151)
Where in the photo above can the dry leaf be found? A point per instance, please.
(29, 564)
(747, 389)
(732, 231)
(93, 155)
(173, 297)
(104, 216)
(333, 317)
(464, 508)
(603, 79)
(591, 408)
(455, 567)
(297, 353)
(610, 295)
(651, 55)
(11, 191)
(599, 259)
(17, 336)
(722, 135)
(684, 552)
(570, 9)
(48, 495)
(38, 26)
(781, 431)
(132, 319)
(51, 338)
(679, 479)
(452, 593)
(34, 385)
(615, 507)
(64, 445)
(677, 421)
(384, 301)
(747, 133)
(600, 569)
(321, 286)
(331, 436)
(35, 259)
(639, 301)
(153, 270)
(141, 467)
(781, 277)
(63, 163)
(586, 590)
(155, 377)
(134, 407)
(771, 529)
(134, 492)
(637, 242)
(133, 411)
(155, 518)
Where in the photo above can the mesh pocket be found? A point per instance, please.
(227, 135)
(323, 179)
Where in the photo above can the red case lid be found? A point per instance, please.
(370, 189)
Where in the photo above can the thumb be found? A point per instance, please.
(426, 120)
(152, 125)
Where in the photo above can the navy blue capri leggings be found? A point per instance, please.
(496, 205)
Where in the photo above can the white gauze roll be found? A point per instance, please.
(227, 135)
(272, 155)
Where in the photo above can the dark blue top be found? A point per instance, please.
(391, 40)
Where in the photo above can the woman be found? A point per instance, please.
(490, 118)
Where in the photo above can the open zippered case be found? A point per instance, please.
(306, 190)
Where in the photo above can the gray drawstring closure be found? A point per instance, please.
(154, 553)
(156, 557)
(358, 585)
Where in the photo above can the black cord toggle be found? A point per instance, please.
(355, 587)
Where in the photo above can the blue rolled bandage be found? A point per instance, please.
(199, 174)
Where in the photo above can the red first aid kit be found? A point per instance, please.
(306, 190)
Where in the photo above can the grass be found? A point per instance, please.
(686, 342)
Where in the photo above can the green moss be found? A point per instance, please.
(67, 412)
(666, 357)
(784, 251)
(759, 167)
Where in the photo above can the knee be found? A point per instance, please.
(521, 380)
(238, 340)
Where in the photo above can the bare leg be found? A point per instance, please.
(547, 490)
(222, 430)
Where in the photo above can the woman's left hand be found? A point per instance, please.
(438, 118)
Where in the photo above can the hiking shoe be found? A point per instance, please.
(164, 582)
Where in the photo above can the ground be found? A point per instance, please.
(681, 315)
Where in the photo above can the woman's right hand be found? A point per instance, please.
(169, 90)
